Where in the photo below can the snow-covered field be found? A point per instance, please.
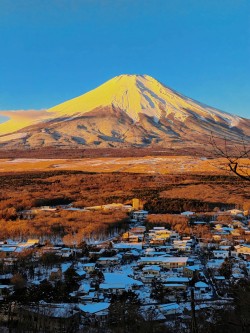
(149, 164)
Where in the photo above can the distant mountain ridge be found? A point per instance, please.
(128, 110)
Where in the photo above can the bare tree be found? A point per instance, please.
(237, 156)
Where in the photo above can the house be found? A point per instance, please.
(165, 262)
(83, 289)
(134, 238)
(235, 232)
(169, 309)
(150, 252)
(66, 252)
(237, 276)
(116, 283)
(215, 264)
(123, 247)
(48, 317)
(138, 230)
(129, 255)
(159, 232)
(89, 267)
(30, 244)
(112, 288)
(201, 287)
(91, 296)
(220, 282)
(5, 278)
(108, 261)
(94, 312)
(188, 213)
(96, 254)
(150, 272)
(221, 254)
(175, 286)
(191, 271)
(81, 273)
(174, 235)
(216, 237)
(130, 237)
(177, 280)
(157, 241)
(242, 249)
(140, 215)
(182, 245)
(7, 251)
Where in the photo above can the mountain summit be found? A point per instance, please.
(135, 94)
(127, 110)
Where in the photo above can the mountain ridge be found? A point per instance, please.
(128, 110)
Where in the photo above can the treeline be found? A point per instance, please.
(51, 152)
(178, 205)
(21, 191)
(71, 226)
(169, 221)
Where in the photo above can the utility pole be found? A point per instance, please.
(194, 328)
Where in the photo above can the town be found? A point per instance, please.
(163, 270)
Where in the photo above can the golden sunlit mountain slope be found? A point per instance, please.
(20, 119)
(128, 110)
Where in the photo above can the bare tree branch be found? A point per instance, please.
(237, 157)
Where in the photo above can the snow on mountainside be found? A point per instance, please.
(136, 94)
(126, 110)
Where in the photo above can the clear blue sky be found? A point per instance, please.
(54, 50)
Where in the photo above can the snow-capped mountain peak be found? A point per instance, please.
(139, 105)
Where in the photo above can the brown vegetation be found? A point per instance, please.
(71, 226)
(51, 152)
(160, 194)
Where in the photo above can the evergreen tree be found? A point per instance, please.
(124, 313)
(158, 291)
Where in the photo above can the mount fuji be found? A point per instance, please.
(126, 111)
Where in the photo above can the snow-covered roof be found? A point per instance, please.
(94, 307)
(169, 306)
(173, 285)
(187, 213)
(215, 262)
(65, 266)
(141, 212)
(219, 277)
(193, 268)
(152, 267)
(220, 251)
(81, 272)
(164, 259)
(84, 287)
(108, 259)
(137, 246)
(5, 286)
(107, 286)
(177, 279)
(7, 248)
(117, 278)
(201, 284)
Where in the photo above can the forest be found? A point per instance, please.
(160, 194)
